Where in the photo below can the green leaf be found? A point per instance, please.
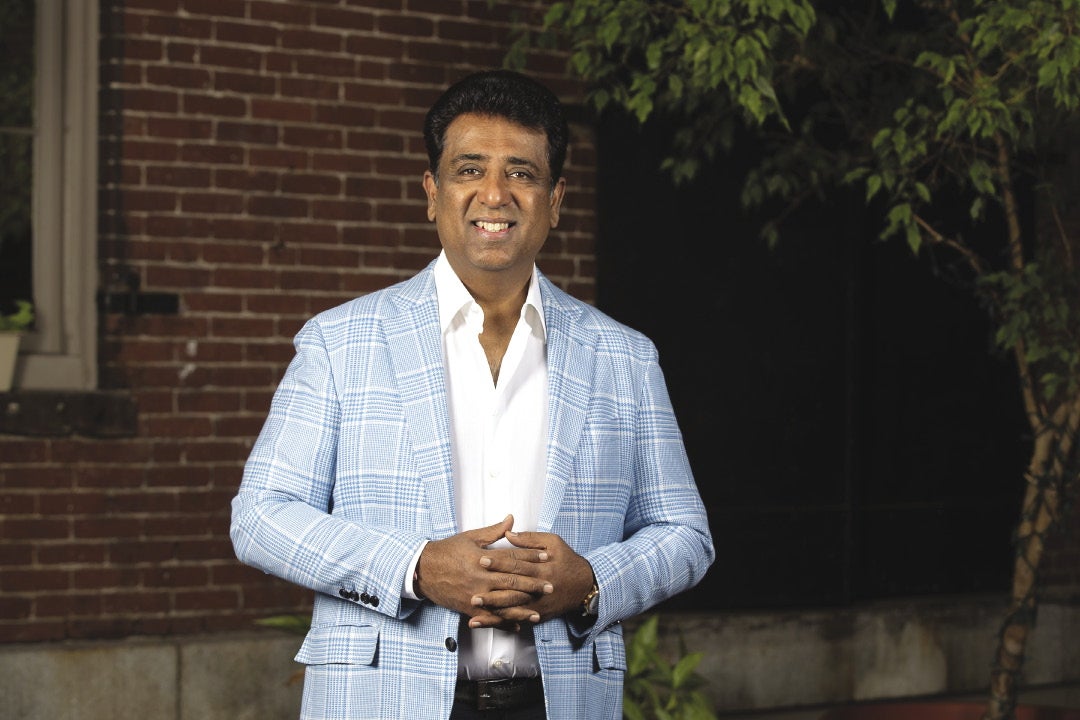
(293, 623)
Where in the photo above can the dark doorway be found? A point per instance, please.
(852, 432)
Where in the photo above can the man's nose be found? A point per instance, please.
(495, 190)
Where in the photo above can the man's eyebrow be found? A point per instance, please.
(468, 157)
(480, 157)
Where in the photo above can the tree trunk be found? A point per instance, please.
(1050, 472)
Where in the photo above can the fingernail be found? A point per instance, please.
(477, 600)
(534, 618)
(474, 623)
(485, 561)
(548, 589)
(543, 556)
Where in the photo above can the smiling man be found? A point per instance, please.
(477, 474)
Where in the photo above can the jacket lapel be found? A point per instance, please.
(570, 360)
(413, 337)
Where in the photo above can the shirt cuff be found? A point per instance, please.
(409, 591)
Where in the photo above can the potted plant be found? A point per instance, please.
(922, 109)
(12, 326)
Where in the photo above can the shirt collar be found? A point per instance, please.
(454, 297)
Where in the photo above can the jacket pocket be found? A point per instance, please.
(610, 650)
(339, 644)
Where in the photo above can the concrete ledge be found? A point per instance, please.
(237, 677)
(890, 650)
(753, 661)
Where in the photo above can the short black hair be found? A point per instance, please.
(499, 93)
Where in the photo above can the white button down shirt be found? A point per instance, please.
(499, 445)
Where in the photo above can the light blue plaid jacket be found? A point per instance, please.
(352, 472)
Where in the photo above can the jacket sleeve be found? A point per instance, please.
(284, 519)
(666, 545)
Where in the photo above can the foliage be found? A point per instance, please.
(953, 119)
(706, 62)
(660, 689)
(298, 623)
(20, 320)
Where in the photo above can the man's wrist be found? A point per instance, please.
(590, 604)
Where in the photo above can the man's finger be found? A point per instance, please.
(492, 533)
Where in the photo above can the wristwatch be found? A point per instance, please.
(590, 606)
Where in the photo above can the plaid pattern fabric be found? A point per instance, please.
(351, 473)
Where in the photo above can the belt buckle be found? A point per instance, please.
(483, 695)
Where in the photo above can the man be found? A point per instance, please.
(479, 475)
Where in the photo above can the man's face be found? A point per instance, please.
(493, 205)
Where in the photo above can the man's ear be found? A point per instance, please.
(431, 187)
(556, 201)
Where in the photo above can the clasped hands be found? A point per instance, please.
(538, 578)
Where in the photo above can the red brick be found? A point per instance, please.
(271, 206)
(23, 451)
(178, 128)
(176, 426)
(399, 24)
(308, 184)
(233, 253)
(247, 180)
(15, 580)
(32, 631)
(197, 104)
(339, 18)
(174, 25)
(240, 327)
(310, 88)
(258, 133)
(211, 203)
(244, 83)
(375, 46)
(293, 111)
(155, 101)
(279, 12)
(246, 278)
(344, 210)
(128, 603)
(110, 527)
(242, 59)
(217, 8)
(311, 40)
(136, 49)
(246, 33)
(178, 77)
(324, 66)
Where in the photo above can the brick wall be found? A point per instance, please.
(261, 161)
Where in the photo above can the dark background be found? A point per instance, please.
(853, 431)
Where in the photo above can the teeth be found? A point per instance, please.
(492, 227)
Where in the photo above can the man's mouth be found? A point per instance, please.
(491, 226)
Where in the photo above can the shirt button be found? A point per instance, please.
(451, 644)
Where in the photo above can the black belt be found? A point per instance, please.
(501, 694)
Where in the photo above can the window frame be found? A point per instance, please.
(61, 353)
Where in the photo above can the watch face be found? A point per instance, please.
(592, 605)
